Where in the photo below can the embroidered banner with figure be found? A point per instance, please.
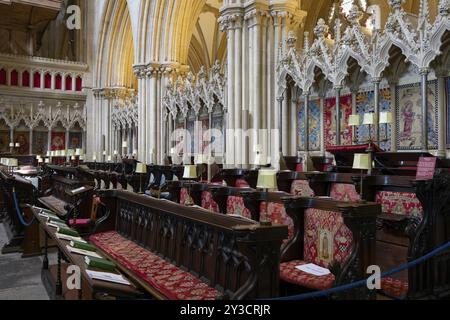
(409, 116)
(40, 139)
(330, 121)
(58, 141)
(314, 125)
(23, 139)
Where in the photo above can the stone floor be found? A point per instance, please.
(20, 279)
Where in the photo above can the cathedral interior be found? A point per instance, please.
(225, 149)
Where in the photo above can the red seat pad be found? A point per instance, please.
(290, 274)
(394, 288)
(79, 222)
(171, 281)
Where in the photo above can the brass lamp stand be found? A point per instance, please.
(362, 161)
(267, 179)
(190, 172)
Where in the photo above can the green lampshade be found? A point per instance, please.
(267, 179)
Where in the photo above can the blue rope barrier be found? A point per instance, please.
(361, 283)
(19, 214)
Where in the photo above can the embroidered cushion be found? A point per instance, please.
(184, 196)
(241, 183)
(327, 238)
(394, 288)
(403, 203)
(301, 188)
(209, 203)
(235, 205)
(171, 281)
(344, 192)
(289, 273)
(276, 213)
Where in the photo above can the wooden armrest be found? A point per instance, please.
(393, 217)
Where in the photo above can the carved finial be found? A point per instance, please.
(306, 41)
(423, 14)
(291, 39)
(444, 8)
(396, 4)
(354, 15)
(321, 29)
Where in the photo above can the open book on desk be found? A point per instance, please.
(107, 276)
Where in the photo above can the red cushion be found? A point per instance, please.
(344, 192)
(301, 188)
(235, 205)
(171, 281)
(79, 222)
(290, 274)
(184, 195)
(404, 203)
(208, 202)
(394, 288)
(276, 213)
(241, 183)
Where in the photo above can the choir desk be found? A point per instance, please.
(54, 277)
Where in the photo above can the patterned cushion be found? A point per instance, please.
(290, 274)
(235, 205)
(394, 288)
(209, 203)
(301, 188)
(277, 214)
(184, 195)
(171, 281)
(327, 238)
(344, 192)
(241, 183)
(404, 203)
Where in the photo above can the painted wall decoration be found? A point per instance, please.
(58, 141)
(75, 140)
(40, 143)
(365, 104)
(448, 111)
(314, 125)
(23, 138)
(4, 141)
(330, 121)
(409, 116)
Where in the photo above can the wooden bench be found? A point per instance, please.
(71, 193)
(201, 255)
(412, 221)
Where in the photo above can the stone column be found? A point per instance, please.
(424, 86)
(293, 122)
(338, 115)
(306, 107)
(393, 102)
(376, 109)
(237, 90)
(30, 151)
(442, 116)
(142, 111)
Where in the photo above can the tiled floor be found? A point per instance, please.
(20, 279)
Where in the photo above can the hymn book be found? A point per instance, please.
(82, 252)
(313, 269)
(109, 277)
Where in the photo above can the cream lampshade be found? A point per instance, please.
(13, 163)
(40, 160)
(73, 158)
(109, 158)
(141, 168)
(48, 154)
(369, 119)
(362, 161)
(257, 148)
(172, 150)
(267, 179)
(354, 120)
(81, 158)
(125, 144)
(104, 152)
(116, 152)
(47, 161)
(135, 152)
(17, 145)
(190, 172)
(385, 117)
(38, 157)
(202, 159)
(94, 157)
(11, 145)
(79, 152)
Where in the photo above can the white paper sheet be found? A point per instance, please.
(107, 276)
(314, 269)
